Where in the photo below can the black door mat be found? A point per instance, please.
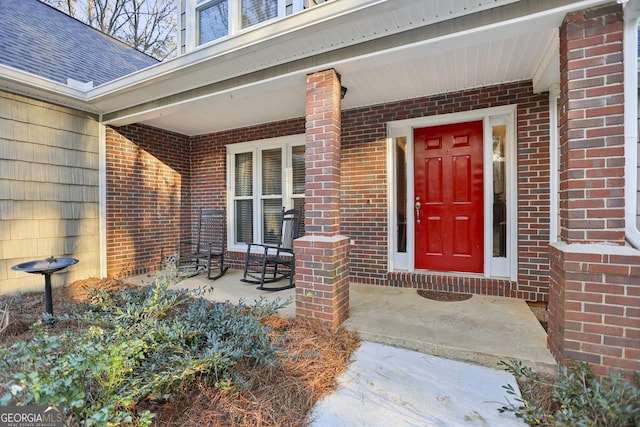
(443, 296)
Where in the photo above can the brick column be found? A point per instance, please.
(592, 127)
(322, 263)
(593, 298)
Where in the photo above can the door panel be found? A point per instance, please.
(434, 239)
(461, 179)
(462, 236)
(449, 226)
(434, 175)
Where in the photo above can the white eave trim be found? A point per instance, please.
(28, 84)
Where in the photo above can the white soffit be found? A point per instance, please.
(510, 51)
(369, 81)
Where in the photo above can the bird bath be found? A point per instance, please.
(46, 267)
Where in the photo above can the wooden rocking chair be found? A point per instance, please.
(265, 264)
(208, 250)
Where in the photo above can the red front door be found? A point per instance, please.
(449, 208)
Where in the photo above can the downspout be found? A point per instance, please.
(630, 57)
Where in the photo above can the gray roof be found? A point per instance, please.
(39, 39)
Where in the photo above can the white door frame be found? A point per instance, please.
(496, 267)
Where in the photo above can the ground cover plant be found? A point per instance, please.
(155, 356)
(575, 397)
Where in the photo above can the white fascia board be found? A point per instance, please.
(31, 85)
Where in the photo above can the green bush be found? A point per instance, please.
(143, 343)
(575, 398)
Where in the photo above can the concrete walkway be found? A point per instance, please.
(388, 386)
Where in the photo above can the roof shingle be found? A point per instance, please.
(39, 39)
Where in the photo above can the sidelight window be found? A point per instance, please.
(499, 134)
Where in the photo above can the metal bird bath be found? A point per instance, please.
(46, 267)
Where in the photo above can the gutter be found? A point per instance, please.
(630, 57)
(72, 95)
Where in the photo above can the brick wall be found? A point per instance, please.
(364, 185)
(148, 197)
(363, 203)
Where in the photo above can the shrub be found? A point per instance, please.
(575, 398)
(142, 343)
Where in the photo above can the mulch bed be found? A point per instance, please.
(313, 357)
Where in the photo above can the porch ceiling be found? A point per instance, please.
(419, 70)
(410, 73)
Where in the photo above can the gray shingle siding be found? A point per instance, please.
(39, 39)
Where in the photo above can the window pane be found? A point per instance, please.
(244, 174)
(271, 214)
(297, 165)
(244, 221)
(401, 193)
(272, 172)
(213, 21)
(256, 11)
(499, 193)
(299, 203)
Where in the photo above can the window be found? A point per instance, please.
(210, 20)
(401, 193)
(499, 137)
(213, 21)
(256, 11)
(263, 176)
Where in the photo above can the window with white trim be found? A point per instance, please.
(216, 19)
(263, 177)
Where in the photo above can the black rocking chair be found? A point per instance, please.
(208, 250)
(265, 264)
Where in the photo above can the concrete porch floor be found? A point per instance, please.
(483, 330)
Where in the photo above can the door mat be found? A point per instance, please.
(443, 296)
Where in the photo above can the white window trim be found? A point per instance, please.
(256, 147)
(235, 26)
(495, 267)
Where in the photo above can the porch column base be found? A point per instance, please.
(593, 305)
(322, 278)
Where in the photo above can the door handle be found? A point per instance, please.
(418, 205)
